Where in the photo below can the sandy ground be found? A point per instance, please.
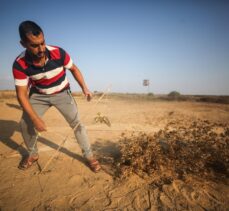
(68, 184)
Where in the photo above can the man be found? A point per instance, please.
(41, 82)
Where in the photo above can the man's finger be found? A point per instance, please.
(89, 97)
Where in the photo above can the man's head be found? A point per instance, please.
(32, 38)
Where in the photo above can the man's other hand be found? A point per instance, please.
(39, 125)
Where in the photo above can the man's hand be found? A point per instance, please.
(88, 94)
(39, 125)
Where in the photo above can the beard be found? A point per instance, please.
(37, 56)
(40, 54)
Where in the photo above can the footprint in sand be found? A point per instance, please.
(58, 204)
(181, 188)
(200, 195)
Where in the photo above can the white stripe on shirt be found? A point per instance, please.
(47, 75)
(54, 89)
(21, 82)
(69, 65)
(50, 48)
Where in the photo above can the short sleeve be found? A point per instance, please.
(20, 78)
(66, 59)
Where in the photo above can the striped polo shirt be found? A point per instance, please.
(49, 79)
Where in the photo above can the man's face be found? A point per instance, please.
(35, 45)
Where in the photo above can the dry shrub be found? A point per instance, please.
(194, 149)
(99, 118)
(213, 99)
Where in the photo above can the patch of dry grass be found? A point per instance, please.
(152, 97)
(7, 94)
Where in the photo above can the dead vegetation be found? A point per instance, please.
(184, 166)
(199, 149)
(102, 119)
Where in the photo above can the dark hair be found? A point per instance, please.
(29, 27)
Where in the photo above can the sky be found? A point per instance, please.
(177, 45)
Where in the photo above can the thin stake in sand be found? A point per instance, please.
(62, 143)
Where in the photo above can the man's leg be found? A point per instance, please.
(65, 103)
(40, 104)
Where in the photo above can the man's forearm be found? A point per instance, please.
(78, 77)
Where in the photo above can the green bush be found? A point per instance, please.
(174, 94)
(150, 94)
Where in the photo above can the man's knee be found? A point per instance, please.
(74, 122)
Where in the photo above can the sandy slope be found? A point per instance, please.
(68, 184)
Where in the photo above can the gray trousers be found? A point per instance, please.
(65, 103)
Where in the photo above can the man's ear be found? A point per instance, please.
(23, 43)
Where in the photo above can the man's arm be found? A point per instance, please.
(22, 95)
(79, 78)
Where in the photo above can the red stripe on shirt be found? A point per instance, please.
(19, 74)
(66, 59)
(50, 80)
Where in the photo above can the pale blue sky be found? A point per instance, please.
(177, 45)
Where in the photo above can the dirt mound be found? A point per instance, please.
(198, 148)
(186, 165)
